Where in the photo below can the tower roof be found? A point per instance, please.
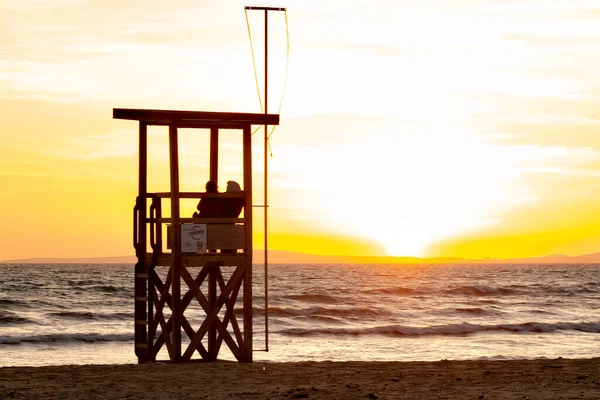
(194, 118)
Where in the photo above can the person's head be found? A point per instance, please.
(211, 187)
(233, 186)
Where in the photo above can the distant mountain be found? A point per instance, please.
(287, 257)
(80, 260)
(556, 259)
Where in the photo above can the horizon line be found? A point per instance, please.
(341, 259)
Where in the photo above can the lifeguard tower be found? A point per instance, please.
(182, 286)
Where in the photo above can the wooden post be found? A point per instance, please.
(266, 182)
(212, 278)
(214, 154)
(141, 269)
(143, 181)
(247, 301)
(212, 301)
(151, 292)
(176, 240)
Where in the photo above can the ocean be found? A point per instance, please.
(83, 314)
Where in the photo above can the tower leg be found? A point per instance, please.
(212, 301)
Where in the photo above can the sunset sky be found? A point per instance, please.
(417, 128)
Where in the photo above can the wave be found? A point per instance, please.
(480, 290)
(395, 290)
(312, 298)
(107, 288)
(8, 303)
(7, 317)
(474, 290)
(87, 315)
(73, 314)
(321, 319)
(357, 312)
(451, 329)
(85, 282)
(473, 310)
(66, 338)
(104, 288)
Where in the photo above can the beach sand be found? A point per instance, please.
(514, 379)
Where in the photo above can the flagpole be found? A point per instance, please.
(266, 164)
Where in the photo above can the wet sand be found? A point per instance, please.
(514, 379)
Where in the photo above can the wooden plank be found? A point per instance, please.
(194, 291)
(229, 315)
(212, 302)
(163, 339)
(222, 236)
(225, 236)
(165, 297)
(173, 117)
(184, 322)
(199, 195)
(157, 249)
(224, 334)
(186, 300)
(222, 326)
(150, 306)
(206, 260)
(159, 231)
(234, 323)
(265, 8)
(202, 220)
(204, 125)
(152, 328)
(236, 330)
(234, 281)
(190, 332)
(247, 299)
(176, 252)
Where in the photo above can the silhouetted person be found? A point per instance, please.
(232, 207)
(209, 207)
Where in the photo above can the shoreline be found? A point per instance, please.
(448, 379)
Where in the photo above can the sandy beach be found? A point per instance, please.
(515, 379)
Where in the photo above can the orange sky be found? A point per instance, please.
(416, 128)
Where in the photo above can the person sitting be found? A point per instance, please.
(232, 207)
(209, 207)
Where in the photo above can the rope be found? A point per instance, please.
(287, 67)
(285, 79)
(254, 63)
(287, 61)
(269, 144)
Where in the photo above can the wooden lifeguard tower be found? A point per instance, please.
(195, 292)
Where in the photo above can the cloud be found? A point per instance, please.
(555, 40)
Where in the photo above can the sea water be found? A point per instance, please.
(83, 314)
